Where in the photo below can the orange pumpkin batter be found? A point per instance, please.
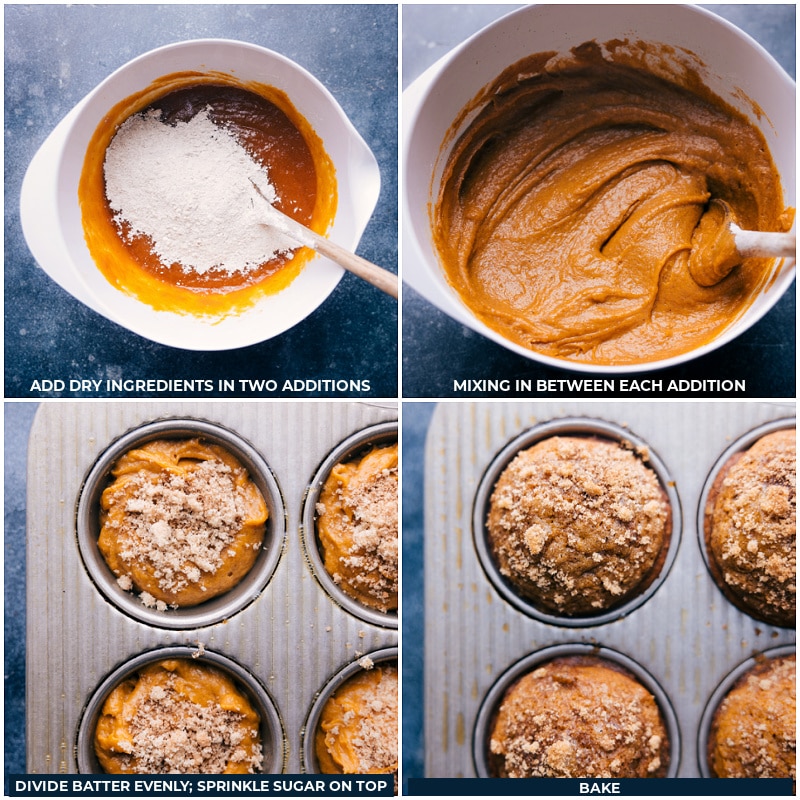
(181, 521)
(178, 716)
(567, 207)
(357, 527)
(358, 728)
(272, 131)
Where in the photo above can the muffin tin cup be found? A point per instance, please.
(727, 683)
(742, 444)
(273, 739)
(310, 762)
(381, 434)
(218, 608)
(571, 427)
(491, 701)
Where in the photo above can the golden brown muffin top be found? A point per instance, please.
(752, 527)
(579, 718)
(753, 732)
(578, 524)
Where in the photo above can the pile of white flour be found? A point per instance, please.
(188, 188)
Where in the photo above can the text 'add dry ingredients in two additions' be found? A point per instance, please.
(169, 209)
(567, 207)
(181, 522)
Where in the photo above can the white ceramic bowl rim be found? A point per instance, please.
(436, 99)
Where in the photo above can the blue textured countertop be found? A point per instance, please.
(55, 54)
(438, 350)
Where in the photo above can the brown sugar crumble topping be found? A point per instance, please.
(753, 733)
(357, 524)
(578, 524)
(176, 718)
(578, 720)
(751, 524)
(180, 518)
(358, 731)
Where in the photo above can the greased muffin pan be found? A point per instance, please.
(279, 634)
(681, 637)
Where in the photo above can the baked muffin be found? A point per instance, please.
(357, 523)
(578, 717)
(578, 525)
(358, 729)
(753, 730)
(178, 716)
(181, 522)
(751, 529)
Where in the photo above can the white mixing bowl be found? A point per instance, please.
(732, 65)
(51, 217)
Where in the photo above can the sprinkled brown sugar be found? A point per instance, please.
(578, 524)
(578, 718)
(179, 519)
(751, 528)
(357, 523)
(358, 730)
(176, 717)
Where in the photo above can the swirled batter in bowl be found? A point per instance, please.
(181, 521)
(566, 208)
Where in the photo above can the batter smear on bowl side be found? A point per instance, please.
(566, 209)
(166, 193)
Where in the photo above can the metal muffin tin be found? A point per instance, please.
(728, 682)
(355, 445)
(495, 695)
(686, 636)
(571, 427)
(310, 763)
(284, 637)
